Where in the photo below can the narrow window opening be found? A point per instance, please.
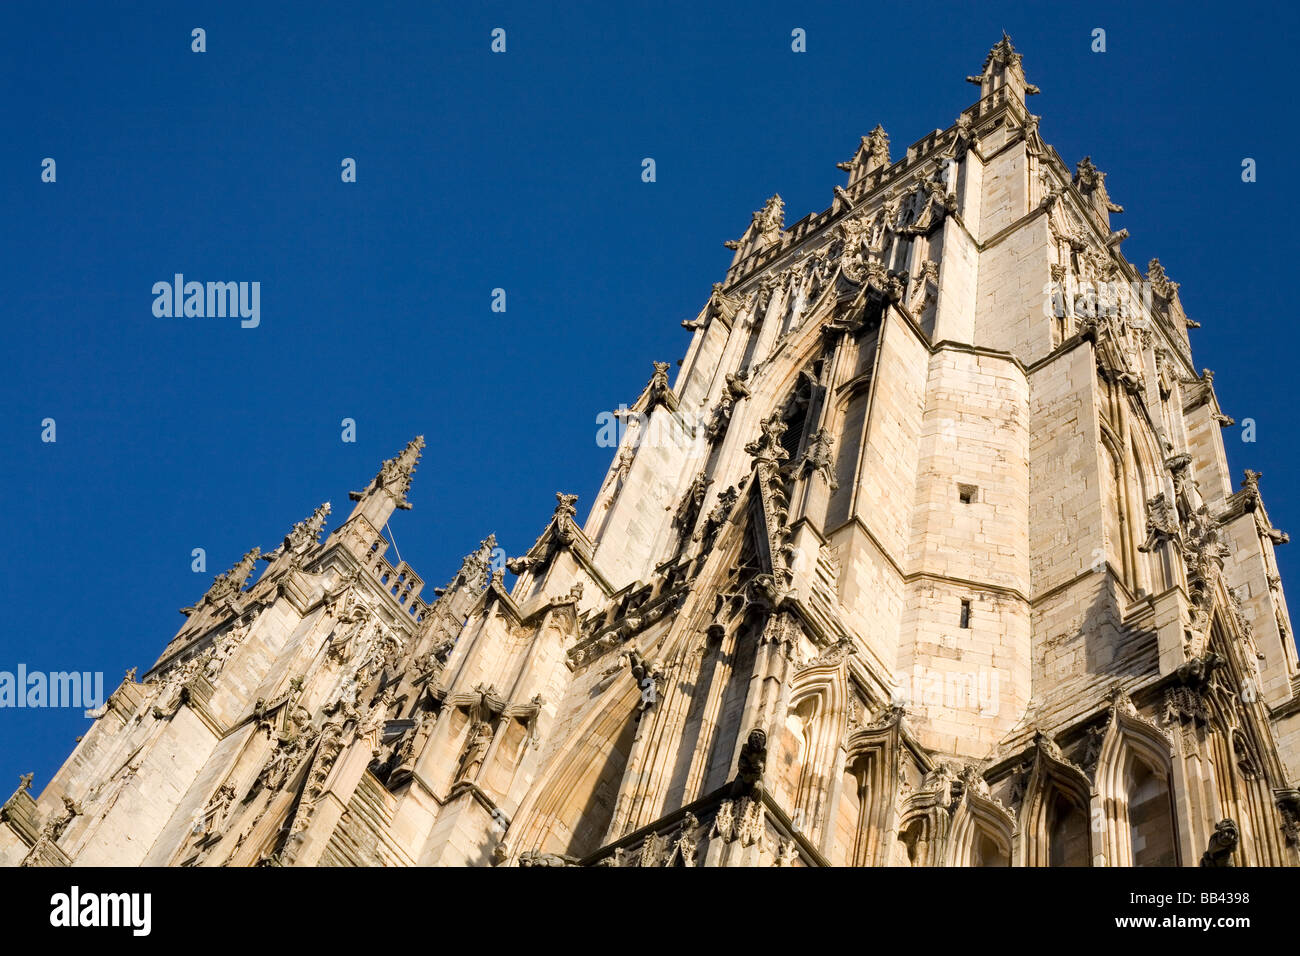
(965, 613)
(966, 493)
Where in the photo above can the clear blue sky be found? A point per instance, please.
(519, 171)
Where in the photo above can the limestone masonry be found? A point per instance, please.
(939, 564)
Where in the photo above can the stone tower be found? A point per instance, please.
(930, 556)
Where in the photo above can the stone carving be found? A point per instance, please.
(972, 780)
(1189, 699)
(50, 833)
(538, 858)
(1160, 282)
(872, 154)
(719, 305)
(564, 507)
(228, 584)
(736, 385)
(649, 676)
(1279, 605)
(743, 820)
(688, 510)
(929, 204)
(327, 752)
(292, 746)
(303, 536)
(684, 848)
(1002, 59)
(1162, 523)
(691, 587)
(767, 446)
(836, 653)
(377, 715)
(1203, 553)
(787, 853)
(771, 218)
(54, 829)
(717, 517)
(766, 226)
(214, 814)
(1092, 183)
(1288, 805)
(476, 748)
(356, 619)
(394, 476)
(751, 765)
(818, 456)
(1223, 843)
(890, 714)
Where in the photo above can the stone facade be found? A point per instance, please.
(929, 557)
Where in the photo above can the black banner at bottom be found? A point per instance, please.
(445, 907)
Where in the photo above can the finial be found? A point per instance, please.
(565, 507)
(228, 583)
(1002, 68)
(872, 154)
(306, 533)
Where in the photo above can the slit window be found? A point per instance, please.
(965, 613)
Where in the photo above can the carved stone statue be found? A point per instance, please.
(476, 748)
(1223, 843)
(751, 765)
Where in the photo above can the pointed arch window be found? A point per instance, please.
(988, 851)
(1067, 832)
(1150, 815)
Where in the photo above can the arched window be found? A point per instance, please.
(1054, 827)
(1067, 832)
(1134, 791)
(848, 446)
(1150, 815)
(854, 818)
(1114, 509)
(796, 744)
(988, 851)
(572, 806)
(981, 832)
(804, 771)
(908, 852)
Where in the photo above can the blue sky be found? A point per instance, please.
(519, 171)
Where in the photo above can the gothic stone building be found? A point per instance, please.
(930, 556)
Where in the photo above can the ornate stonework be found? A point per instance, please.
(946, 570)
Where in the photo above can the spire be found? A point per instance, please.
(1003, 73)
(303, 535)
(387, 490)
(308, 532)
(474, 570)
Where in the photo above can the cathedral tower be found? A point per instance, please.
(928, 556)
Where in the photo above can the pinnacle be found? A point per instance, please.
(1003, 58)
(411, 453)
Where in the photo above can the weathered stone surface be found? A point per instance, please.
(929, 556)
